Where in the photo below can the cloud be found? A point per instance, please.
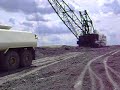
(56, 39)
(36, 17)
(45, 29)
(41, 19)
(12, 20)
(26, 6)
(89, 5)
(112, 7)
(28, 24)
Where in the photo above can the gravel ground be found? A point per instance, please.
(65, 74)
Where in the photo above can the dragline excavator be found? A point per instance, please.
(82, 26)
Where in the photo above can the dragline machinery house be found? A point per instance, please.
(82, 26)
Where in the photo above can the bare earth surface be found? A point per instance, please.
(67, 68)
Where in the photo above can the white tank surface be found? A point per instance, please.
(16, 39)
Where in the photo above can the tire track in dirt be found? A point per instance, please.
(47, 62)
(113, 71)
(115, 85)
(107, 68)
(78, 85)
(57, 58)
(92, 78)
(98, 78)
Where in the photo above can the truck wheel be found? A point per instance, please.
(10, 60)
(26, 58)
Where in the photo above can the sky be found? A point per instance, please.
(38, 17)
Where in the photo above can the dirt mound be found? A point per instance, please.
(49, 51)
(53, 51)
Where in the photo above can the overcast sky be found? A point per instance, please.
(38, 17)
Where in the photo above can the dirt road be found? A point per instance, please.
(68, 69)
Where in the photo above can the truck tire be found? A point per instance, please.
(25, 58)
(10, 60)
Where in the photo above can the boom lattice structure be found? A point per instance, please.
(70, 19)
(81, 26)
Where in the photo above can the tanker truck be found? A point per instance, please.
(17, 48)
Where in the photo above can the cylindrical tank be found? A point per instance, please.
(16, 39)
